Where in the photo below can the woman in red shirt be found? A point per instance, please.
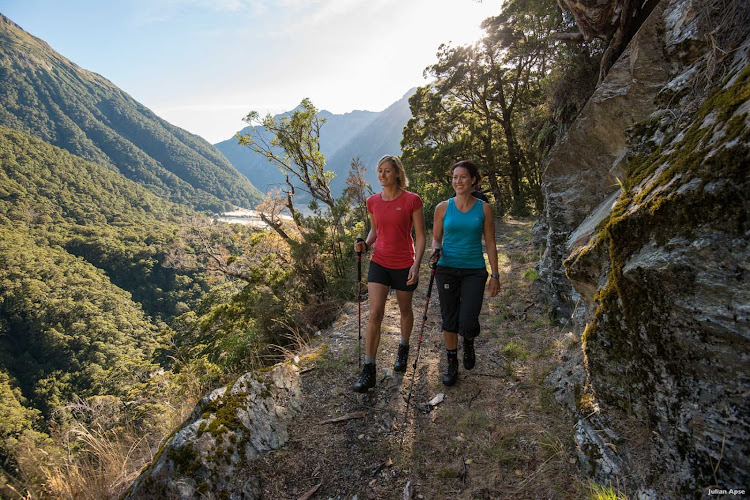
(394, 263)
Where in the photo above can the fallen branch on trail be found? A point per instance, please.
(344, 418)
(490, 375)
(309, 493)
(474, 397)
(380, 466)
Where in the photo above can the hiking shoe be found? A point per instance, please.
(401, 358)
(366, 379)
(470, 358)
(451, 373)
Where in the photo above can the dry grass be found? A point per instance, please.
(97, 448)
(105, 463)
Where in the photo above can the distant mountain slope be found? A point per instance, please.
(96, 214)
(44, 94)
(40, 183)
(381, 137)
(364, 134)
(80, 273)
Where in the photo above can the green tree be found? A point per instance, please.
(15, 419)
(432, 141)
(322, 234)
(486, 92)
(302, 162)
(357, 190)
(519, 53)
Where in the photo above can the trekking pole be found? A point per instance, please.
(433, 266)
(359, 304)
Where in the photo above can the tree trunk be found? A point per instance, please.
(519, 204)
(496, 192)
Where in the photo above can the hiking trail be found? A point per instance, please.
(498, 433)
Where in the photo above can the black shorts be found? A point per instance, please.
(461, 294)
(394, 278)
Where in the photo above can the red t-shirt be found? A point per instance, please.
(394, 247)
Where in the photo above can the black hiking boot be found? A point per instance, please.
(366, 379)
(401, 358)
(470, 357)
(451, 373)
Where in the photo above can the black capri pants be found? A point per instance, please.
(461, 294)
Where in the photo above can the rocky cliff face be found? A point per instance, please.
(647, 249)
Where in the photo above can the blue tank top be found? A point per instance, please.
(462, 237)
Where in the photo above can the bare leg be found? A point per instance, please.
(407, 313)
(378, 295)
(451, 340)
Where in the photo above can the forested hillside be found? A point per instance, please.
(118, 309)
(93, 213)
(82, 289)
(48, 96)
(81, 271)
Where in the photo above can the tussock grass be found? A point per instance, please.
(599, 492)
(98, 447)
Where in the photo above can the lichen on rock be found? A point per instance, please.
(229, 428)
(662, 274)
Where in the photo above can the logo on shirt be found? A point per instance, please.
(398, 208)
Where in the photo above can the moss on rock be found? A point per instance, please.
(644, 361)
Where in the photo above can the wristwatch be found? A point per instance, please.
(495, 276)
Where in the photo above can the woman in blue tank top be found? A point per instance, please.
(459, 225)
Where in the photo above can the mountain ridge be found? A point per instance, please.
(50, 97)
(365, 134)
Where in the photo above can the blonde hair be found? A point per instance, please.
(402, 181)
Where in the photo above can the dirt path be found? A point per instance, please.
(498, 433)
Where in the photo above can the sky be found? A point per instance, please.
(204, 64)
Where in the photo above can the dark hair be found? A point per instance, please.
(473, 170)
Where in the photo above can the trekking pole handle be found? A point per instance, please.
(435, 257)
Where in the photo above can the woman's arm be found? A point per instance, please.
(437, 228)
(491, 245)
(369, 239)
(420, 242)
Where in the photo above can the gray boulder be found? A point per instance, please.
(229, 428)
